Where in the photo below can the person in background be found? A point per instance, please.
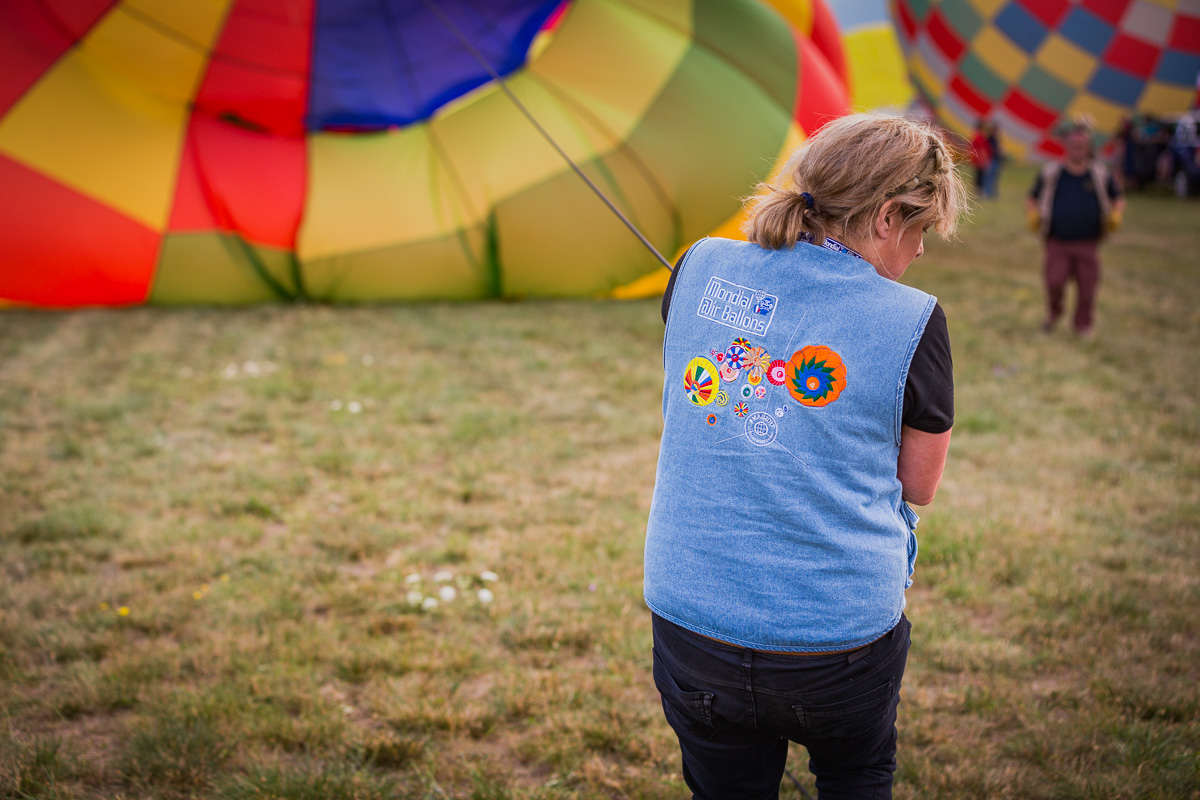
(982, 158)
(991, 181)
(1073, 204)
(1127, 135)
(808, 399)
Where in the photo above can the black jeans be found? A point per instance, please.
(735, 709)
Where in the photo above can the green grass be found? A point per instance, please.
(218, 572)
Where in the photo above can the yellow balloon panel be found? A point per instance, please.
(362, 190)
(878, 76)
(119, 98)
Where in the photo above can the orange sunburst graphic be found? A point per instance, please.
(816, 376)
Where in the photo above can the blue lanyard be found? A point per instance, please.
(832, 244)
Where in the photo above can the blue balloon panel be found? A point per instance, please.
(387, 63)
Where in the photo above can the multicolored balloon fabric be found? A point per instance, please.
(878, 77)
(245, 151)
(1032, 64)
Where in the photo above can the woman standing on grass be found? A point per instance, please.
(808, 396)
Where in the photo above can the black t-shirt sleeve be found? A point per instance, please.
(666, 303)
(929, 391)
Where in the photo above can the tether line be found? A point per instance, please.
(478, 56)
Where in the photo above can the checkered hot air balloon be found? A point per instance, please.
(241, 151)
(1030, 64)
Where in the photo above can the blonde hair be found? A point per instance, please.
(836, 183)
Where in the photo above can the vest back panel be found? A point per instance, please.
(777, 521)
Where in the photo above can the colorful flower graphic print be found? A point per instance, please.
(735, 356)
(777, 372)
(701, 382)
(758, 362)
(816, 376)
(741, 409)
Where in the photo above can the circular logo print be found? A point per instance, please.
(747, 390)
(758, 360)
(779, 412)
(777, 372)
(816, 376)
(700, 381)
(761, 428)
(760, 392)
(722, 398)
(735, 356)
(711, 419)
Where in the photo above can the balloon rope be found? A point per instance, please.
(449, 23)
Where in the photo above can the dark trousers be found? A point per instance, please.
(734, 711)
(1066, 260)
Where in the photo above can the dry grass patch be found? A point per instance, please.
(244, 552)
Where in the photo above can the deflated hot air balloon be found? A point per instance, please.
(1029, 64)
(241, 151)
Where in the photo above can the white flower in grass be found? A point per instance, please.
(429, 604)
(485, 596)
(447, 593)
(488, 575)
(414, 598)
(335, 405)
(413, 578)
(444, 576)
(354, 407)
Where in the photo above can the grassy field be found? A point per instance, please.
(395, 552)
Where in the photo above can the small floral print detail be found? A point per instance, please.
(741, 409)
(777, 372)
(758, 361)
(735, 356)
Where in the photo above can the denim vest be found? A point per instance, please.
(777, 521)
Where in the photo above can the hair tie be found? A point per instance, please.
(808, 198)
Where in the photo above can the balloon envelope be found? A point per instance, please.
(1030, 64)
(878, 76)
(239, 151)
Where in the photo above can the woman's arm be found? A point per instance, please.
(922, 459)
